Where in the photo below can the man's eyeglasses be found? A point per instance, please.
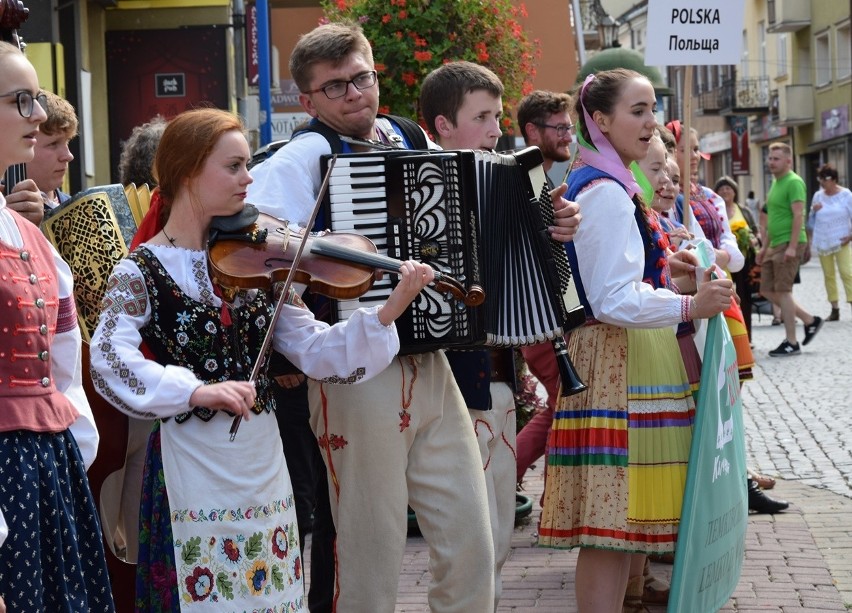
(561, 129)
(26, 101)
(338, 89)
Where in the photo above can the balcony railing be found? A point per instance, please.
(796, 105)
(787, 15)
(745, 96)
(710, 101)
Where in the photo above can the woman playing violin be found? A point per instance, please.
(217, 521)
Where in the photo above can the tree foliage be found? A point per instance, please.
(410, 38)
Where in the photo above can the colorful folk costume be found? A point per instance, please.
(53, 559)
(656, 274)
(660, 227)
(617, 453)
(218, 522)
(708, 208)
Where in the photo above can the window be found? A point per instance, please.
(844, 52)
(822, 59)
(761, 33)
(782, 55)
(744, 59)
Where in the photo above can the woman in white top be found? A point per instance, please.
(217, 520)
(53, 557)
(628, 353)
(830, 230)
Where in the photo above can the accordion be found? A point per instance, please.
(477, 216)
(92, 233)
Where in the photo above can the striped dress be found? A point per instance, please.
(708, 208)
(617, 453)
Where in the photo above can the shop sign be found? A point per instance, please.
(763, 129)
(835, 122)
(170, 85)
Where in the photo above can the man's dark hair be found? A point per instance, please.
(444, 89)
(538, 105)
(333, 43)
(137, 153)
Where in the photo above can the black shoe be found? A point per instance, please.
(812, 329)
(785, 349)
(759, 502)
(835, 315)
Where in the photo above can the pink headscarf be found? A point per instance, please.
(601, 153)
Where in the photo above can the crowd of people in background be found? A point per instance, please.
(354, 433)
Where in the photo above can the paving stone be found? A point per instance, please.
(797, 419)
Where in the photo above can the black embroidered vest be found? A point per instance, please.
(188, 333)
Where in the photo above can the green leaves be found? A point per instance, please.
(226, 587)
(277, 578)
(410, 38)
(191, 551)
(254, 546)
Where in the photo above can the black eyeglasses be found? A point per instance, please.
(26, 101)
(561, 129)
(338, 89)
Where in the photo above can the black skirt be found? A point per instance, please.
(53, 559)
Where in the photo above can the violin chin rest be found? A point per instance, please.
(237, 221)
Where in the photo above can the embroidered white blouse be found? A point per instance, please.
(359, 345)
(611, 260)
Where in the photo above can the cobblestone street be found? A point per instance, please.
(798, 410)
(797, 416)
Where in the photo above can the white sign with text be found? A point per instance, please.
(694, 32)
(283, 124)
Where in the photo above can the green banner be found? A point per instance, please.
(714, 517)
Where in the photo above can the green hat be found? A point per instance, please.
(621, 57)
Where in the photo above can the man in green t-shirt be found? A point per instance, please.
(785, 246)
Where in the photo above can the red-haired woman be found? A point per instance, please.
(217, 521)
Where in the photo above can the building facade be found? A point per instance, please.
(120, 62)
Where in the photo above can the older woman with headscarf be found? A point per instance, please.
(745, 230)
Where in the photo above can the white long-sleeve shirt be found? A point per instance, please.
(144, 388)
(611, 260)
(66, 360)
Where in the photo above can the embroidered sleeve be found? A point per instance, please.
(121, 373)
(347, 352)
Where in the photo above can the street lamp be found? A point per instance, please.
(608, 31)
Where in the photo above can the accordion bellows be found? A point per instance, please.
(478, 216)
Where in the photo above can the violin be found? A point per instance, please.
(338, 265)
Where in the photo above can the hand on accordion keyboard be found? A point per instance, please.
(566, 216)
(414, 276)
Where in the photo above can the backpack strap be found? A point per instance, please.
(411, 129)
(330, 134)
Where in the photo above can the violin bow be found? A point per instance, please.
(279, 305)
